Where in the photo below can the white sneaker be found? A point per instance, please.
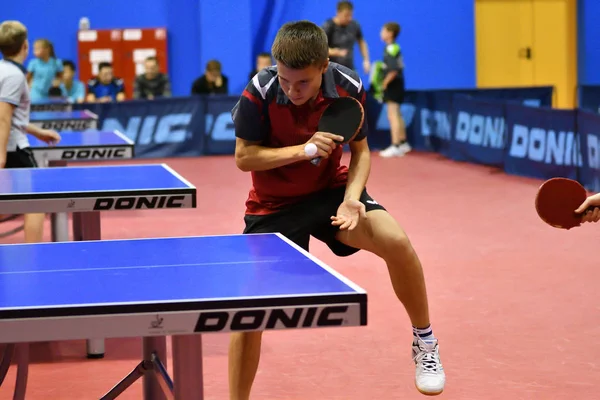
(430, 378)
(391, 151)
(405, 148)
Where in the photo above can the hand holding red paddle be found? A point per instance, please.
(590, 209)
(563, 203)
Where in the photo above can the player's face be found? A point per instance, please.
(344, 17)
(300, 85)
(105, 75)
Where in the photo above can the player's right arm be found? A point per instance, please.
(10, 97)
(6, 112)
(251, 131)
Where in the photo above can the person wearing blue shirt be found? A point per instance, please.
(71, 88)
(105, 88)
(44, 71)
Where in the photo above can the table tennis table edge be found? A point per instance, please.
(340, 277)
(123, 136)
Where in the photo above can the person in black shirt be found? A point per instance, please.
(212, 82)
(393, 90)
(342, 34)
(152, 83)
(263, 60)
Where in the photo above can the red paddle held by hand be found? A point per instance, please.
(556, 202)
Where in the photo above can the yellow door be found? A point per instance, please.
(504, 35)
(528, 43)
(555, 48)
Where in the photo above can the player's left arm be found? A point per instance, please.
(360, 159)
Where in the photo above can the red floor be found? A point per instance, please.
(513, 301)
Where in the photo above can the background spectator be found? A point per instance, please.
(105, 88)
(343, 32)
(263, 60)
(212, 82)
(152, 83)
(44, 71)
(71, 87)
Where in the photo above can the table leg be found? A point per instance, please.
(59, 225)
(152, 387)
(22, 361)
(89, 229)
(76, 226)
(187, 367)
(59, 222)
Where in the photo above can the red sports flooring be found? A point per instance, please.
(514, 302)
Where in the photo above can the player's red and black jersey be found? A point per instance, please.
(265, 114)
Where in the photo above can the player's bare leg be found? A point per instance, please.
(34, 228)
(382, 235)
(399, 144)
(244, 355)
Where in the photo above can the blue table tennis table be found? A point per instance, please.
(179, 287)
(85, 192)
(83, 146)
(79, 146)
(65, 121)
(51, 105)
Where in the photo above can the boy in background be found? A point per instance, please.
(15, 102)
(263, 60)
(71, 87)
(393, 90)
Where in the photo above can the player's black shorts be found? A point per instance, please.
(395, 91)
(311, 217)
(20, 158)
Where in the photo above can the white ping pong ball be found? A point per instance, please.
(310, 149)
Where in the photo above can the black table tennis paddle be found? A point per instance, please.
(343, 117)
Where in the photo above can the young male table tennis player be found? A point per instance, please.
(275, 117)
(592, 215)
(14, 114)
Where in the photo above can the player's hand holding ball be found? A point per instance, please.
(321, 145)
(349, 214)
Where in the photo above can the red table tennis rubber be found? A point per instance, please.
(556, 202)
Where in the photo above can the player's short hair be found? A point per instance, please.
(213, 66)
(392, 27)
(345, 5)
(264, 54)
(300, 44)
(12, 36)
